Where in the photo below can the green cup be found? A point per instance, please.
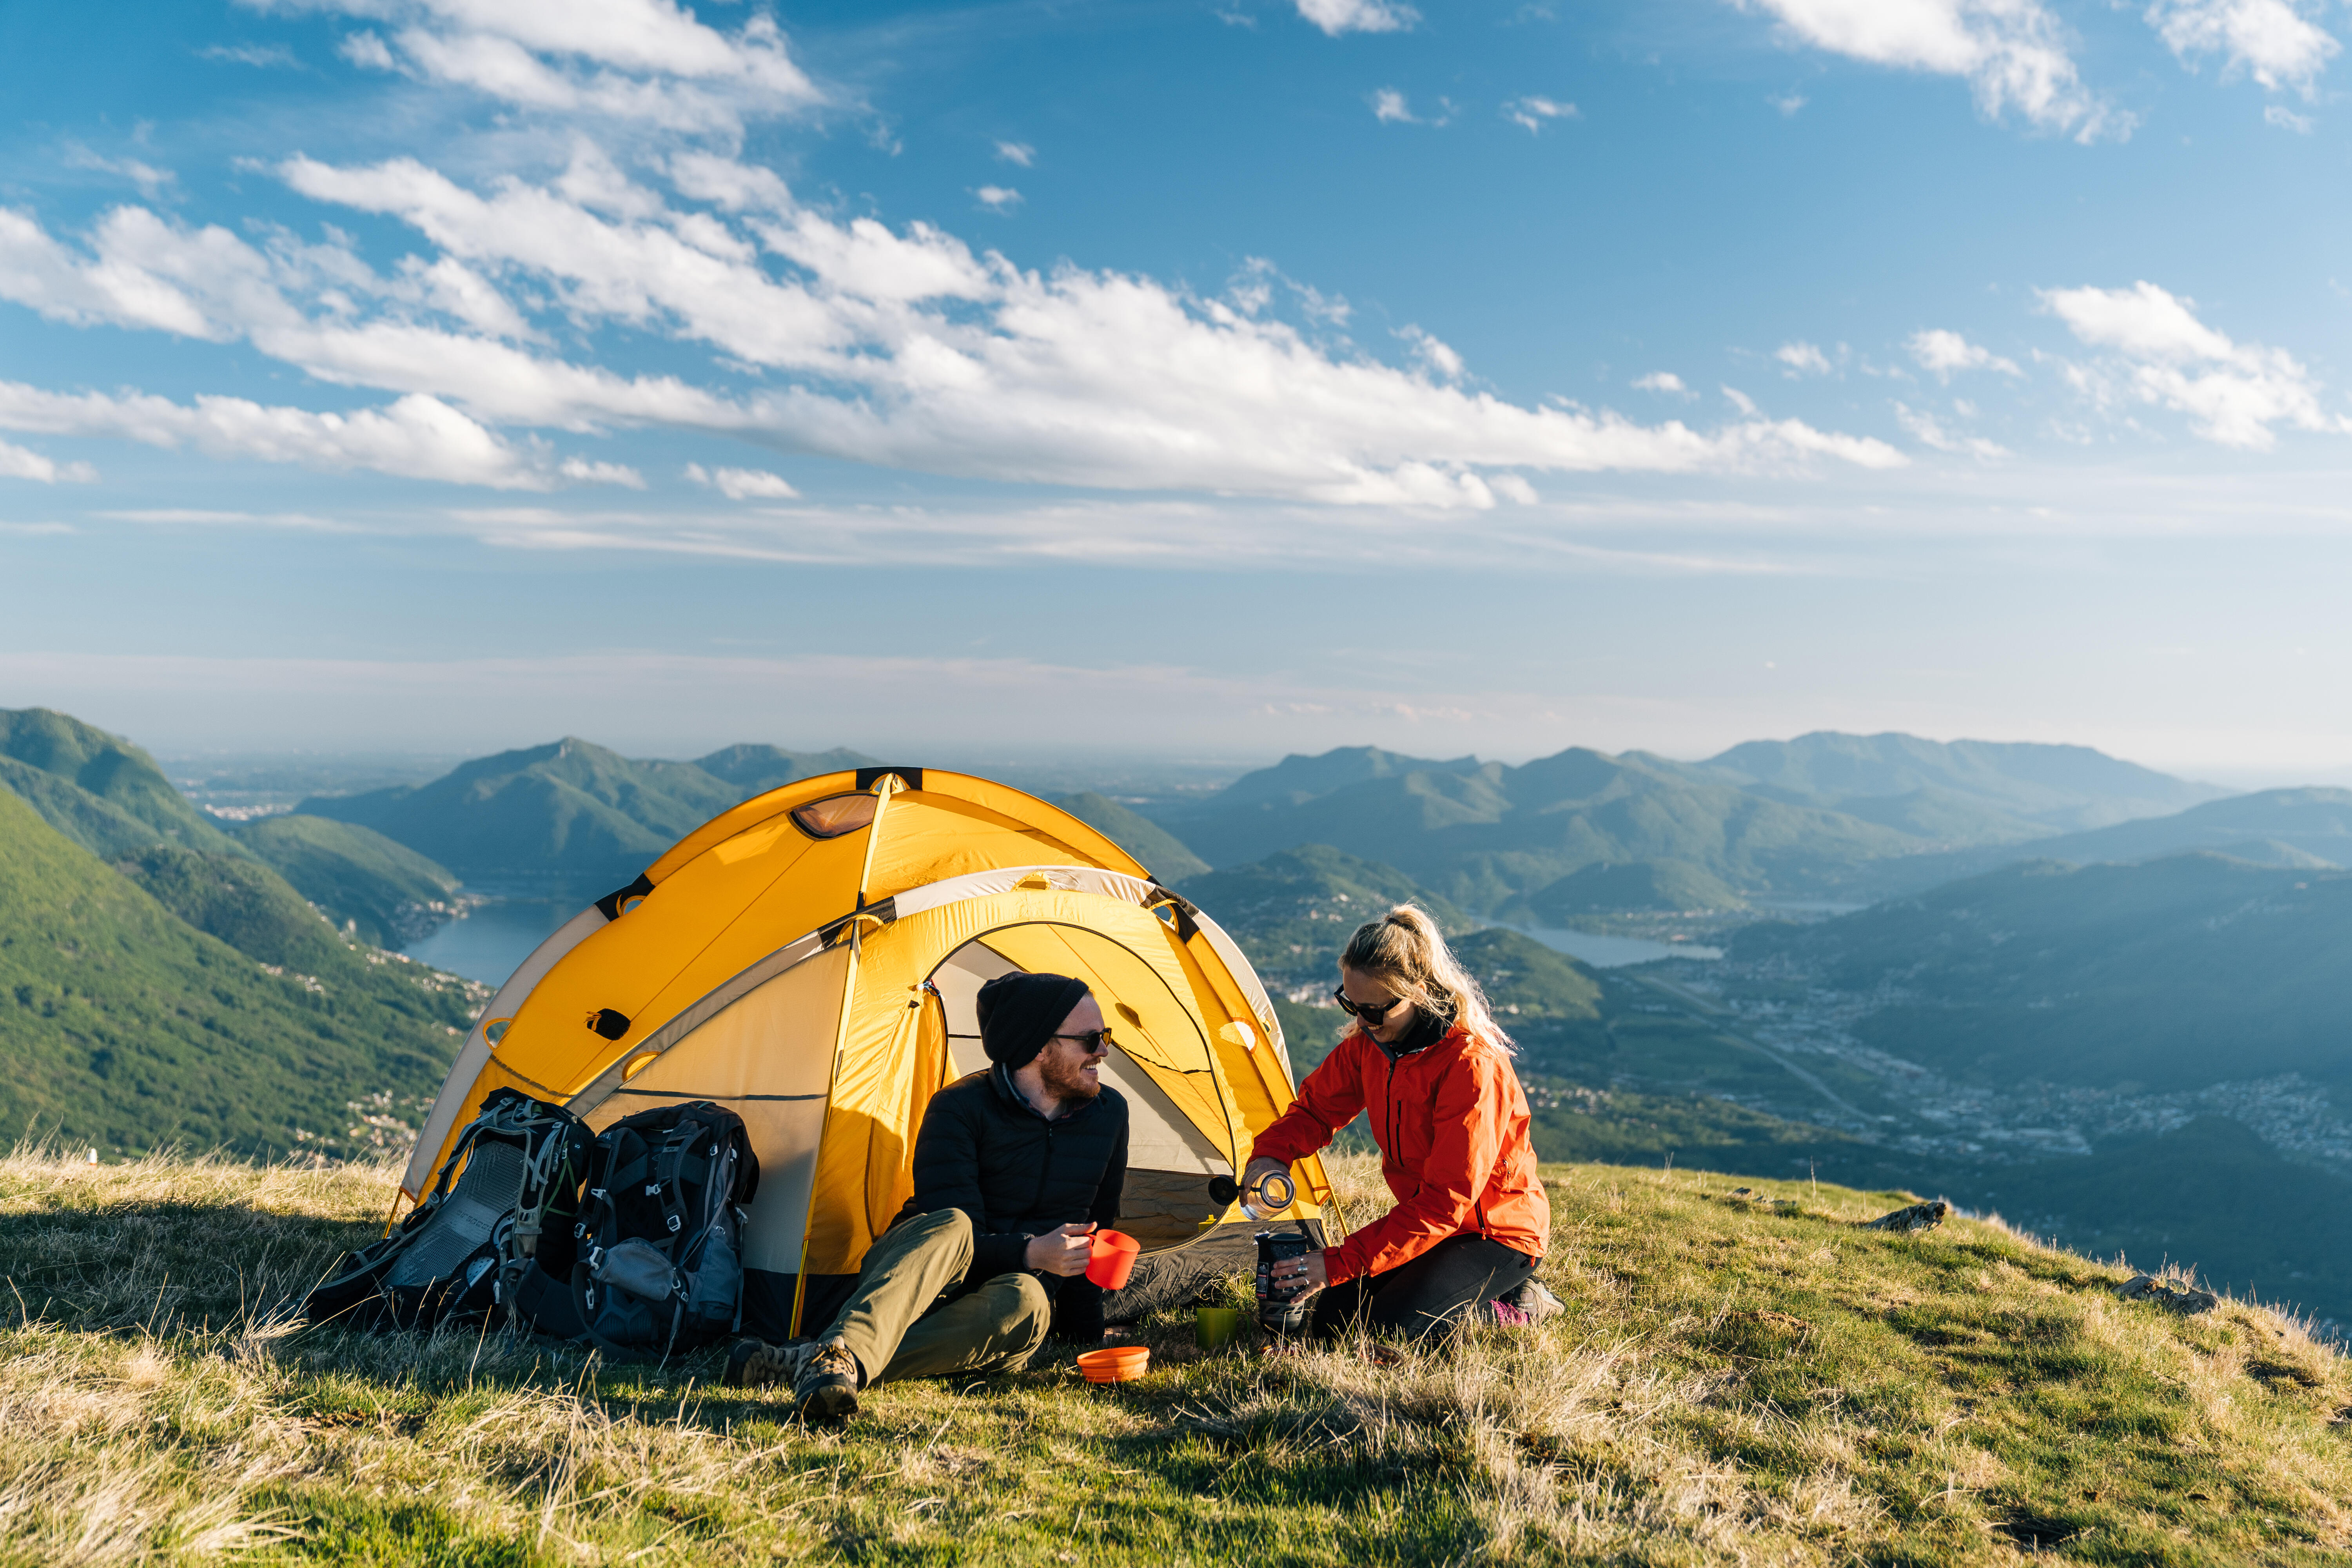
(1217, 1325)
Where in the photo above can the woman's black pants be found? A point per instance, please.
(1415, 1299)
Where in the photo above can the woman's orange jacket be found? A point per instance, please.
(1452, 1123)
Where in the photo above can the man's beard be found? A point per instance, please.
(1068, 1080)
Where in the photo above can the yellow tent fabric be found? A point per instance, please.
(810, 960)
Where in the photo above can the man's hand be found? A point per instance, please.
(1287, 1275)
(1063, 1251)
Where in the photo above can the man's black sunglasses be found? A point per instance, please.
(1095, 1041)
(1369, 1012)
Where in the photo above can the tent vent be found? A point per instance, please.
(608, 1022)
(835, 815)
(911, 777)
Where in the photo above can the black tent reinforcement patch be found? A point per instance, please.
(611, 902)
(609, 1023)
(911, 777)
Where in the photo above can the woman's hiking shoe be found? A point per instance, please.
(755, 1363)
(827, 1385)
(1536, 1303)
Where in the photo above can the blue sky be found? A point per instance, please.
(1210, 379)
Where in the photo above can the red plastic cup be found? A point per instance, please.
(1113, 1259)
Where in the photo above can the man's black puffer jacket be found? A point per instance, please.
(985, 1149)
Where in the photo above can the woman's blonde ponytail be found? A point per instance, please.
(1404, 951)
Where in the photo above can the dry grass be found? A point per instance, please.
(1736, 1381)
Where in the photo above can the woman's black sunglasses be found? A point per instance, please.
(1369, 1012)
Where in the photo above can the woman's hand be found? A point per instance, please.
(1309, 1268)
(1262, 1166)
(1064, 1251)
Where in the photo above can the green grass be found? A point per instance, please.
(1738, 1379)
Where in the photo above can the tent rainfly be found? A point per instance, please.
(811, 960)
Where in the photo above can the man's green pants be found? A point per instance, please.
(895, 1321)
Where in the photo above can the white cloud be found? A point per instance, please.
(20, 463)
(1533, 110)
(1802, 359)
(998, 198)
(1435, 358)
(1389, 107)
(1943, 352)
(1337, 17)
(415, 437)
(1787, 104)
(262, 56)
(2271, 41)
(743, 484)
(146, 176)
(1741, 401)
(1663, 381)
(1929, 431)
(825, 333)
(2232, 393)
(2013, 53)
(2286, 119)
(1019, 152)
(646, 61)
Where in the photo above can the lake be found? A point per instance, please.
(488, 944)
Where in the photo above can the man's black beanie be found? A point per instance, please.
(1019, 1013)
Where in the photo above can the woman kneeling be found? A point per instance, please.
(1426, 1059)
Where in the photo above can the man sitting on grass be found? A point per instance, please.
(1014, 1167)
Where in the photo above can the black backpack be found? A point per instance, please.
(658, 1264)
(511, 1184)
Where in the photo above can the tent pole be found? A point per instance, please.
(885, 787)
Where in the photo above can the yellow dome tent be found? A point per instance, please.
(810, 960)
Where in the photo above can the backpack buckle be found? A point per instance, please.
(653, 1189)
(673, 1225)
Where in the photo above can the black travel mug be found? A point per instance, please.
(1280, 1312)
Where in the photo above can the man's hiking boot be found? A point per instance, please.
(755, 1363)
(827, 1385)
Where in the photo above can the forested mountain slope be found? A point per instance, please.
(128, 1027)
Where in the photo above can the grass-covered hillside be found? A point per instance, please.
(96, 789)
(1738, 1379)
(181, 998)
(385, 892)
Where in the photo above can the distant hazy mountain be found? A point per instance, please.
(1480, 835)
(1161, 852)
(755, 769)
(96, 789)
(355, 874)
(2052, 789)
(2171, 974)
(1297, 779)
(126, 1025)
(2306, 829)
(571, 809)
(1787, 817)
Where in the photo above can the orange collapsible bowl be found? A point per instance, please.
(1118, 1364)
(1113, 1259)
